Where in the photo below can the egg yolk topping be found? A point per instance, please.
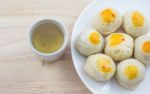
(137, 19)
(116, 39)
(146, 46)
(94, 38)
(131, 72)
(108, 16)
(104, 65)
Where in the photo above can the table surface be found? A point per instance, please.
(21, 72)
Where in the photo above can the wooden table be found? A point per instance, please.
(21, 72)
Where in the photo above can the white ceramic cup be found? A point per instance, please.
(51, 56)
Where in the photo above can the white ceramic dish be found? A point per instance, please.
(84, 21)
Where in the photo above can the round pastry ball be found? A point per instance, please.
(119, 46)
(142, 49)
(130, 73)
(89, 42)
(135, 23)
(100, 67)
(107, 21)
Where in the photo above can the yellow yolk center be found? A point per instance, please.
(104, 65)
(131, 72)
(108, 16)
(137, 19)
(94, 37)
(116, 39)
(146, 46)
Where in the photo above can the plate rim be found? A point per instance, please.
(74, 28)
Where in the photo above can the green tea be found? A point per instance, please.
(47, 38)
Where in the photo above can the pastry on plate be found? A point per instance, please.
(130, 73)
(89, 42)
(100, 67)
(119, 46)
(142, 49)
(135, 23)
(107, 21)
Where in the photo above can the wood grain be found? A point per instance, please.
(21, 72)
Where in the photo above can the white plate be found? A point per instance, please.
(84, 21)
